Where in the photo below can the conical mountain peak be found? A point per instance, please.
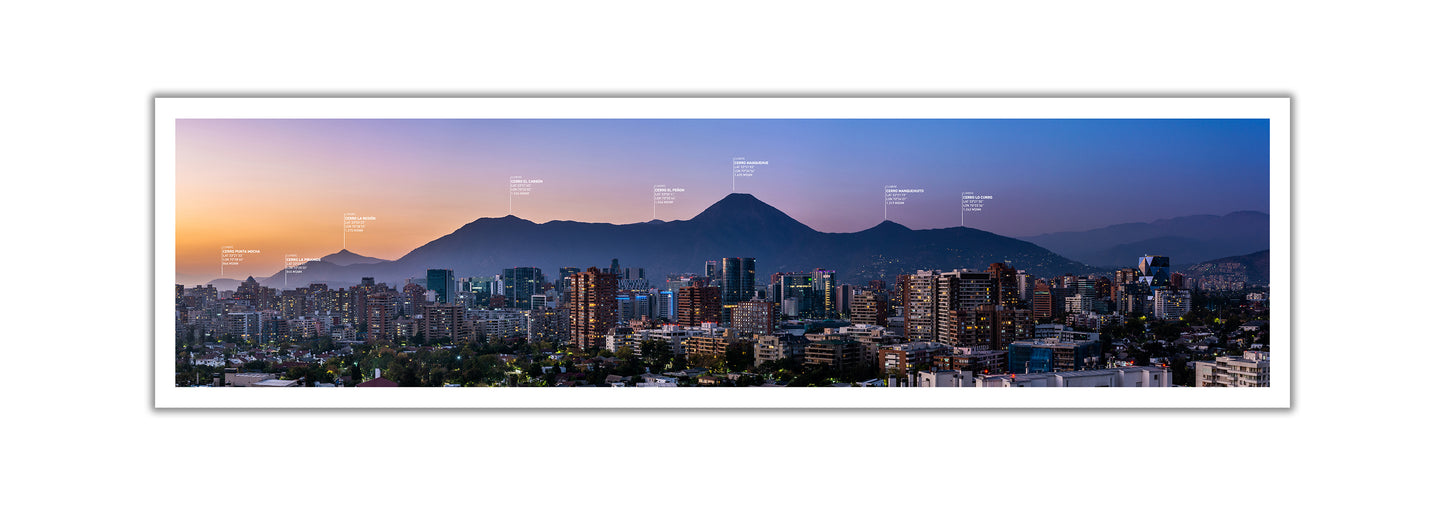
(735, 202)
(889, 226)
(745, 208)
(347, 257)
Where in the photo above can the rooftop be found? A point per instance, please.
(378, 382)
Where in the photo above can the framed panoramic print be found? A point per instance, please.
(722, 252)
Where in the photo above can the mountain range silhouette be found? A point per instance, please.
(739, 225)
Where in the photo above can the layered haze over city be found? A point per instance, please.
(893, 253)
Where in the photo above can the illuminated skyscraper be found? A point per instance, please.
(843, 298)
(992, 326)
(1171, 304)
(444, 323)
(665, 305)
(824, 284)
(1122, 277)
(546, 324)
(634, 273)
(869, 308)
(898, 297)
(592, 309)
(1042, 299)
(920, 310)
(753, 316)
(564, 283)
(698, 304)
(1006, 285)
(413, 297)
(250, 291)
(519, 284)
(797, 286)
(934, 300)
(381, 311)
(960, 290)
(738, 277)
(1154, 270)
(444, 283)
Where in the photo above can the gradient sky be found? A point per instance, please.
(282, 186)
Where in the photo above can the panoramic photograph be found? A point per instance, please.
(698, 253)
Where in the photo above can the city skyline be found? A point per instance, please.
(282, 186)
(833, 255)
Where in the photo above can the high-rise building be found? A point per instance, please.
(382, 309)
(664, 305)
(1005, 289)
(935, 298)
(413, 297)
(1153, 270)
(293, 303)
(565, 274)
(1176, 281)
(711, 270)
(1026, 287)
(592, 308)
(1133, 299)
(753, 316)
(797, 286)
(481, 290)
(542, 300)
(1082, 300)
(564, 284)
(961, 290)
(843, 297)
(245, 325)
(1171, 304)
(633, 306)
(920, 310)
(444, 283)
(546, 324)
(738, 277)
(992, 326)
(344, 303)
(1103, 289)
(519, 284)
(1123, 277)
(1042, 299)
(824, 284)
(500, 325)
(869, 308)
(249, 291)
(444, 323)
(698, 304)
(898, 297)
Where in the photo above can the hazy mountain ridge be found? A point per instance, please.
(1186, 239)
